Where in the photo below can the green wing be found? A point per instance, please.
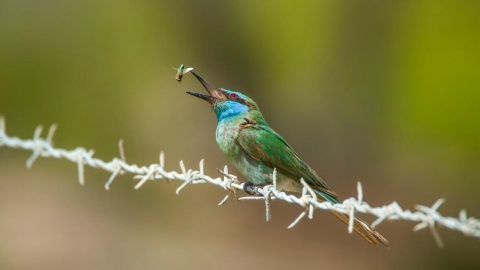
(263, 144)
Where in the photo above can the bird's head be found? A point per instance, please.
(225, 103)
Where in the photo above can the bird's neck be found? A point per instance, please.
(230, 110)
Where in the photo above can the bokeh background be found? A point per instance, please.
(383, 92)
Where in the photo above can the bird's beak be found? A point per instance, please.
(215, 93)
(208, 98)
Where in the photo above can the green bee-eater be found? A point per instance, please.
(255, 149)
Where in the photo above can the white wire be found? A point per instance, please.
(424, 216)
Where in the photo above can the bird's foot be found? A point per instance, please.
(249, 188)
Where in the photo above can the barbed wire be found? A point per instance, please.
(424, 216)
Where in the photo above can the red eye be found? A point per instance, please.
(233, 96)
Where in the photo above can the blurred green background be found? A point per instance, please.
(383, 92)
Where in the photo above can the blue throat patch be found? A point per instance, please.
(229, 109)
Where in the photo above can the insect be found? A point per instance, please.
(179, 75)
(181, 71)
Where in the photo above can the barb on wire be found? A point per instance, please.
(424, 216)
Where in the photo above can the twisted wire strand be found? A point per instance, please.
(423, 216)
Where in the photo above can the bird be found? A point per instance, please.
(256, 150)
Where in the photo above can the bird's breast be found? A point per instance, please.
(226, 134)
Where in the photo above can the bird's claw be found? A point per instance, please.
(249, 188)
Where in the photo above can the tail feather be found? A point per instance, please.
(360, 226)
(363, 229)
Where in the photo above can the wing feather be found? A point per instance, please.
(263, 144)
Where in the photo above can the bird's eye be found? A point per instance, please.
(233, 96)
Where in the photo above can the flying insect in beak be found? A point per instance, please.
(181, 71)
